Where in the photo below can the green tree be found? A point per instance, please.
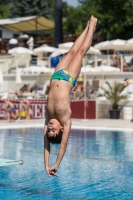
(114, 16)
(4, 9)
(29, 8)
(72, 23)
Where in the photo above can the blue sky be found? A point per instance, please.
(72, 2)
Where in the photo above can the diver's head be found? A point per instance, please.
(54, 131)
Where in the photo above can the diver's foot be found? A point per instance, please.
(93, 22)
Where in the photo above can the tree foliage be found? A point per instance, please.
(114, 16)
(73, 24)
(30, 8)
(4, 7)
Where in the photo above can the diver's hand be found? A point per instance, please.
(47, 168)
(54, 169)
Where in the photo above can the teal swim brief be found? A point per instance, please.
(63, 74)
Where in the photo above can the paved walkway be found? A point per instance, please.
(101, 124)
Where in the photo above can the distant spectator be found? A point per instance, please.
(130, 63)
(10, 110)
(115, 60)
(13, 42)
(24, 90)
(125, 65)
(88, 89)
(79, 88)
(34, 88)
(127, 81)
(22, 112)
(27, 109)
(30, 43)
(40, 88)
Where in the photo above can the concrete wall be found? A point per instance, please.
(103, 107)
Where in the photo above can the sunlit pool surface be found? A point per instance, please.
(97, 165)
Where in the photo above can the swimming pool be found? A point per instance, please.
(97, 165)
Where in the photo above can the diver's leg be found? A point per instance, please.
(76, 63)
(65, 61)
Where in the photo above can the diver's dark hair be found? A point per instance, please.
(55, 140)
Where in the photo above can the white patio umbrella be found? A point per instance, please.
(93, 50)
(99, 70)
(36, 69)
(45, 49)
(1, 77)
(117, 44)
(24, 36)
(86, 69)
(20, 50)
(127, 47)
(110, 69)
(68, 45)
(48, 49)
(102, 45)
(130, 41)
(120, 45)
(20, 54)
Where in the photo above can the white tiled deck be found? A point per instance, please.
(101, 124)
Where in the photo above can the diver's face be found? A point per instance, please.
(53, 127)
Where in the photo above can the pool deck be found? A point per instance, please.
(98, 124)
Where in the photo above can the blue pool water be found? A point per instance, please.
(97, 165)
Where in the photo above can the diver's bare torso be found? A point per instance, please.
(58, 102)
